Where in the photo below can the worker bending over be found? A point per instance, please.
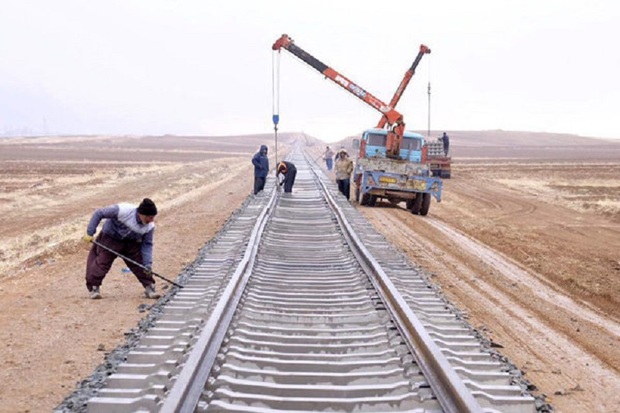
(289, 171)
(127, 230)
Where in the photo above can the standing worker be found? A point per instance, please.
(127, 230)
(289, 171)
(344, 167)
(328, 156)
(446, 142)
(261, 168)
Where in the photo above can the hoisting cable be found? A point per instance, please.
(429, 98)
(275, 96)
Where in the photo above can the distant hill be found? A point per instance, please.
(521, 145)
(510, 138)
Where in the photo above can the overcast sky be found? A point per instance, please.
(205, 66)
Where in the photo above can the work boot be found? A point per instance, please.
(149, 292)
(95, 294)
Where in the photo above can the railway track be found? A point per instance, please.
(299, 305)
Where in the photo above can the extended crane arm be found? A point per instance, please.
(403, 83)
(391, 116)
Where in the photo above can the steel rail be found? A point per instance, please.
(187, 389)
(451, 392)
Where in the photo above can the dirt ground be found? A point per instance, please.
(526, 242)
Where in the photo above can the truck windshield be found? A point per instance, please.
(411, 144)
(376, 139)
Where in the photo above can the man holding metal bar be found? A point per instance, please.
(127, 233)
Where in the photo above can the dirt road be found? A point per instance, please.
(538, 278)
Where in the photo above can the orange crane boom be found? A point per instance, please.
(405, 82)
(390, 116)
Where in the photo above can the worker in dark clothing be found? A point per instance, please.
(128, 230)
(261, 168)
(446, 142)
(289, 171)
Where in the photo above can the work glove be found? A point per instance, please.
(87, 238)
(148, 270)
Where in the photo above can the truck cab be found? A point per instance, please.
(375, 142)
(403, 178)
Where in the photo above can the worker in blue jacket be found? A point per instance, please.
(128, 230)
(446, 143)
(261, 168)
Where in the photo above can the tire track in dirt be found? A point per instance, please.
(502, 206)
(577, 252)
(543, 331)
(537, 285)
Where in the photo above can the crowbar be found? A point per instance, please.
(135, 263)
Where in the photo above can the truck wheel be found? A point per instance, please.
(364, 199)
(426, 203)
(416, 204)
(409, 203)
(372, 200)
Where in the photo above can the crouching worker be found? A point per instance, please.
(288, 170)
(127, 230)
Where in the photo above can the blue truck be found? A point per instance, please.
(403, 178)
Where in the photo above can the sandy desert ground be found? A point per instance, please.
(526, 242)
